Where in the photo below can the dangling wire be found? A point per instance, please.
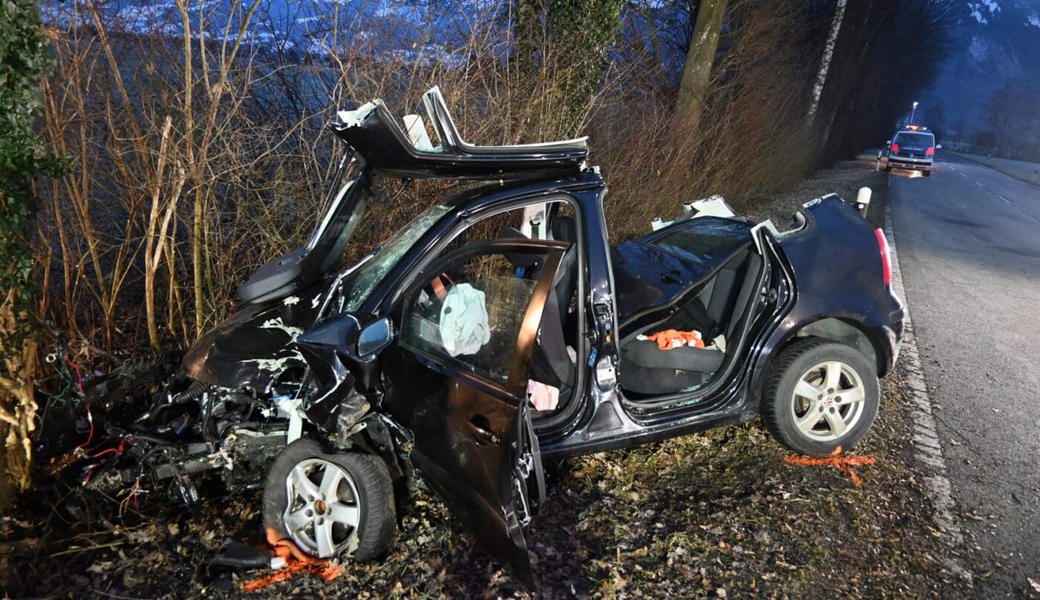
(83, 394)
(58, 398)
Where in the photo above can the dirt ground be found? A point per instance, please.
(714, 515)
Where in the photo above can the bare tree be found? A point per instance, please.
(696, 77)
(825, 59)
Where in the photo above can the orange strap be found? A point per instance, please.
(843, 464)
(296, 562)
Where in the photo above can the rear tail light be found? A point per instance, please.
(886, 262)
(894, 148)
(930, 151)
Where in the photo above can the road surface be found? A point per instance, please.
(968, 240)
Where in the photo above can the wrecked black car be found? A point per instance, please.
(495, 331)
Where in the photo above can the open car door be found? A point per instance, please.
(458, 380)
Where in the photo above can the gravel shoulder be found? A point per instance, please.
(714, 515)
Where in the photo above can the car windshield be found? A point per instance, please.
(372, 272)
(917, 140)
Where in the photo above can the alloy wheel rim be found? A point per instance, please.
(828, 400)
(323, 508)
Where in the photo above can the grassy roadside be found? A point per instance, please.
(715, 515)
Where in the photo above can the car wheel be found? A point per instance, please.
(888, 169)
(927, 173)
(820, 395)
(329, 505)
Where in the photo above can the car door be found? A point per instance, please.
(457, 379)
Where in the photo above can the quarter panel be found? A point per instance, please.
(837, 274)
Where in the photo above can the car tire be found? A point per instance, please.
(888, 169)
(927, 173)
(356, 519)
(807, 415)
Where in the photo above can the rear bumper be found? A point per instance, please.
(887, 321)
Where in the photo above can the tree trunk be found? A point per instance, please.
(699, 59)
(560, 53)
(825, 60)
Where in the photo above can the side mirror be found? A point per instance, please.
(375, 337)
(938, 146)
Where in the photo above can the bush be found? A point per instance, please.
(23, 60)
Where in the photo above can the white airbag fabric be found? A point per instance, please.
(464, 320)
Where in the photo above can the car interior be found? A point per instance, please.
(470, 313)
(699, 276)
(683, 296)
(553, 368)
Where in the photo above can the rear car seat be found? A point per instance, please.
(648, 370)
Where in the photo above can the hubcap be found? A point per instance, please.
(323, 508)
(828, 401)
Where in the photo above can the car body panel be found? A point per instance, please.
(834, 258)
(255, 344)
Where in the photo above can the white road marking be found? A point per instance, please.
(928, 449)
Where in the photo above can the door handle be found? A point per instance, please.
(480, 427)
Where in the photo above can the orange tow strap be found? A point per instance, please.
(295, 562)
(843, 464)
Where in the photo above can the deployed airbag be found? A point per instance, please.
(464, 320)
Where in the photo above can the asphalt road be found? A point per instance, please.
(968, 240)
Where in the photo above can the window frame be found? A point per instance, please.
(516, 382)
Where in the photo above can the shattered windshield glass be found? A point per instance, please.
(372, 272)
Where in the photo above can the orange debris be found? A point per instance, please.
(673, 338)
(843, 464)
(296, 562)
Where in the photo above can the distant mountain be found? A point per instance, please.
(995, 46)
(304, 27)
